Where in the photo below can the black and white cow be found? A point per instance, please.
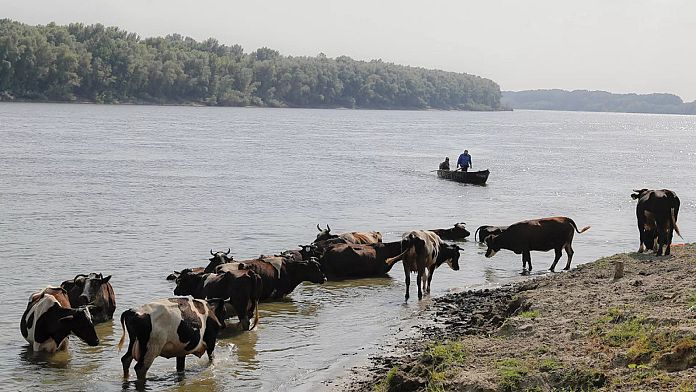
(48, 321)
(173, 327)
(93, 291)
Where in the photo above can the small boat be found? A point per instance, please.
(477, 177)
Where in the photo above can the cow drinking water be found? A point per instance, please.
(49, 320)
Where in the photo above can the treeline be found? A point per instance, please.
(597, 101)
(106, 64)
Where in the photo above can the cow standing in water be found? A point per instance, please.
(657, 212)
(484, 232)
(539, 235)
(93, 291)
(354, 237)
(424, 251)
(173, 327)
(49, 320)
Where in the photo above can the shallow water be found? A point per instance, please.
(138, 191)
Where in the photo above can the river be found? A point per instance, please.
(138, 191)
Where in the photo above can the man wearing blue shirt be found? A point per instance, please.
(464, 161)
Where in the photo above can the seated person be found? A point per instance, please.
(445, 164)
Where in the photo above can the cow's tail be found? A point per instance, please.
(393, 260)
(258, 287)
(476, 232)
(584, 229)
(673, 218)
(124, 316)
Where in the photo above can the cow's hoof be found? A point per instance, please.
(566, 268)
(552, 270)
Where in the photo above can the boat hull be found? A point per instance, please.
(476, 178)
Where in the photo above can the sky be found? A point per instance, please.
(621, 46)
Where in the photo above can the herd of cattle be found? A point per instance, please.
(190, 323)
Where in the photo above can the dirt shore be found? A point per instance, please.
(574, 331)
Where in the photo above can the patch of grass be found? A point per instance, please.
(529, 314)
(548, 364)
(653, 297)
(383, 386)
(512, 372)
(440, 359)
(691, 300)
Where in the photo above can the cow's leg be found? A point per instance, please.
(419, 279)
(559, 252)
(527, 259)
(407, 278)
(569, 251)
(127, 359)
(180, 363)
(148, 358)
(431, 271)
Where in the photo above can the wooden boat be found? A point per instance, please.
(477, 177)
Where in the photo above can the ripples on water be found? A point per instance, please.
(138, 191)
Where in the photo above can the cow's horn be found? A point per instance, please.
(211, 252)
(319, 228)
(79, 275)
(228, 251)
(327, 227)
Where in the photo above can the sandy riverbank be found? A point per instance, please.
(579, 330)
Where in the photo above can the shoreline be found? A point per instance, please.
(576, 330)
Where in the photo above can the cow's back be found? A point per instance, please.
(345, 260)
(539, 234)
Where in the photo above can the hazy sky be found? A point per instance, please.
(615, 45)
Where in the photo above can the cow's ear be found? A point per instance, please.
(635, 196)
(106, 280)
(242, 266)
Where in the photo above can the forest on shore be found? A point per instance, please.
(94, 63)
(597, 101)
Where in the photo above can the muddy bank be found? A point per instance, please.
(578, 330)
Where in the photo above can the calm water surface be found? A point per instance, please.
(138, 191)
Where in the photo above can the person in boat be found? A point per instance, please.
(445, 164)
(464, 161)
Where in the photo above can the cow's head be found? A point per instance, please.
(218, 258)
(450, 255)
(87, 290)
(309, 251)
(459, 230)
(187, 282)
(306, 270)
(638, 193)
(79, 321)
(324, 234)
(493, 245)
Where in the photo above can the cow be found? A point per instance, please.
(93, 291)
(657, 212)
(425, 251)
(484, 231)
(355, 237)
(242, 288)
(49, 320)
(537, 235)
(217, 259)
(458, 232)
(342, 261)
(280, 274)
(173, 327)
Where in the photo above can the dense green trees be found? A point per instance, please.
(106, 64)
(597, 101)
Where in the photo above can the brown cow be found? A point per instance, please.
(424, 250)
(342, 261)
(538, 234)
(458, 232)
(355, 237)
(657, 212)
(280, 274)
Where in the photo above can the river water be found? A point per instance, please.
(138, 191)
